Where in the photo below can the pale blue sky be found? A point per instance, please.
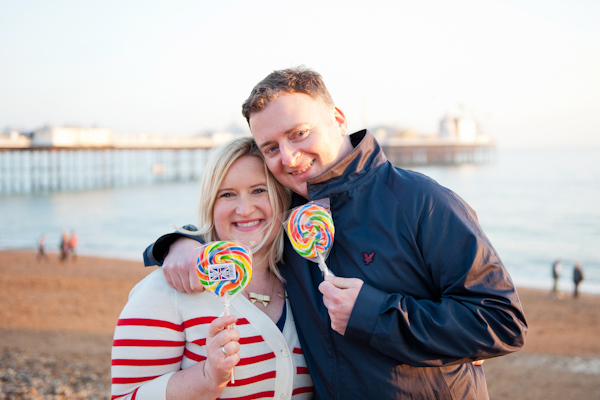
(528, 70)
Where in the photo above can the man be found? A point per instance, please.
(577, 278)
(556, 270)
(420, 293)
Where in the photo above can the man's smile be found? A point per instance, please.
(303, 169)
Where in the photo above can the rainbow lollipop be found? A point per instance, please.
(310, 229)
(224, 268)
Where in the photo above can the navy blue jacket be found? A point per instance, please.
(436, 294)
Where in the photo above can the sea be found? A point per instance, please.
(535, 205)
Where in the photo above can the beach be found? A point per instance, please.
(57, 320)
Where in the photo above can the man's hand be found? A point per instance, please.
(179, 267)
(339, 296)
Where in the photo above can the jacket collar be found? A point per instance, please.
(350, 171)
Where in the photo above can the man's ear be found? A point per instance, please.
(340, 119)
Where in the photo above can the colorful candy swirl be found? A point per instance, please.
(224, 267)
(310, 229)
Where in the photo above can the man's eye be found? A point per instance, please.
(270, 150)
(299, 135)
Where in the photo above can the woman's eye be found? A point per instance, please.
(260, 191)
(226, 194)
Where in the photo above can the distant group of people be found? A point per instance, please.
(68, 246)
(577, 277)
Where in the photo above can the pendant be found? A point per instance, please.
(263, 298)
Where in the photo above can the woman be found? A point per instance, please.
(174, 345)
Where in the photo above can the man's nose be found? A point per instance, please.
(289, 156)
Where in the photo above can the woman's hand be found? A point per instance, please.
(208, 378)
(222, 347)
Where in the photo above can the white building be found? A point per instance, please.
(13, 140)
(448, 127)
(72, 137)
(459, 129)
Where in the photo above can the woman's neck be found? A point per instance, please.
(260, 262)
(261, 272)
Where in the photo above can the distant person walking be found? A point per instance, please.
(556, 270)
(577, 278)
(64, 246)
(42, 248)
(73, 242)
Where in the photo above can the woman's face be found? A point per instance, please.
(242, 210)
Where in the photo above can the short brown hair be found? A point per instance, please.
(285, 81)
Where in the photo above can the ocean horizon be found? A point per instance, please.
(535, 205)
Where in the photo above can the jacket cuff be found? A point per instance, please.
(365, 314)
(149, 260)
(155, 253)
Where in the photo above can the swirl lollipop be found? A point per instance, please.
(224, 268)
(310, 229)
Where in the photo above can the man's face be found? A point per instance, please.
(301, 138)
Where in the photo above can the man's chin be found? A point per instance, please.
(302, 190)
(296, 187)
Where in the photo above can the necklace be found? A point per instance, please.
(263, 298)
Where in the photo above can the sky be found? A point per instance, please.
(527, 70)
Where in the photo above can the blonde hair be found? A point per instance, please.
(217, 167)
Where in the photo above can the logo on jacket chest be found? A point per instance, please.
(368, 257)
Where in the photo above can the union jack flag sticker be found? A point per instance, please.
(221, 272)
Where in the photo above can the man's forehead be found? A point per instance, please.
(288, 102)
(286, 112)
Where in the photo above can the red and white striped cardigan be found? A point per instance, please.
(162, 330)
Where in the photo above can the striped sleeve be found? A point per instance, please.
(148, 343)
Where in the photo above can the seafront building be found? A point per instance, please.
(81, 158)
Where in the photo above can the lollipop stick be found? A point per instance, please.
(323, 267)
(229, 327)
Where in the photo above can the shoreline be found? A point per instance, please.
(57, 320)
(527, 283)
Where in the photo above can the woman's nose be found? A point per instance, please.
(245, 206)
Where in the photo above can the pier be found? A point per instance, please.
(38, 170)
(58, 159)
(34, 170)
(438, 153)
(71, 158)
